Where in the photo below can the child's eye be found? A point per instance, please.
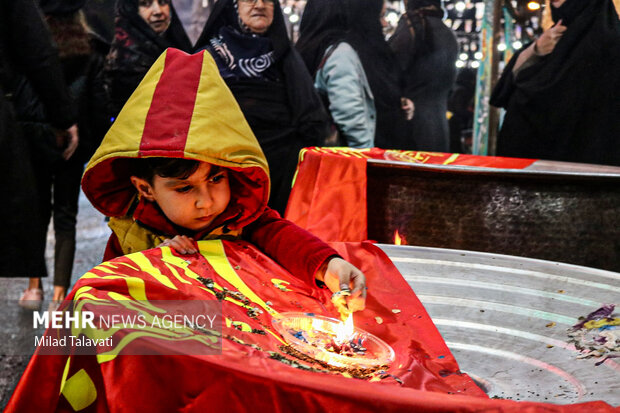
(218, 178)
(183, 189)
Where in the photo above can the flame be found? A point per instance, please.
(399, 239)
(345, 330)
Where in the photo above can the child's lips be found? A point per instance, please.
(205, 218)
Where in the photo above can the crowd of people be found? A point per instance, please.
(342, 84)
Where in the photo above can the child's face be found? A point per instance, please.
(191, 203)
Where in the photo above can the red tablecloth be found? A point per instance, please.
(329, 191)
(253, 373)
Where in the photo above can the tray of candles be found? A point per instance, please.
(332, 341)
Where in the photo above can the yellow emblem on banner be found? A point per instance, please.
(79, 390)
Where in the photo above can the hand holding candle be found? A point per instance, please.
(346, 282)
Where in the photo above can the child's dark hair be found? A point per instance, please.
(147, 168)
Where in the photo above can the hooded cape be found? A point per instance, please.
(565, 106)
(182, 109)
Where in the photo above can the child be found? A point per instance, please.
(180, 164)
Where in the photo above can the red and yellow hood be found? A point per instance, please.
(181, 109)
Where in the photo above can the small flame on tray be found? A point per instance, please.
(345, 330)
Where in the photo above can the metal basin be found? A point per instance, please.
(505, 319)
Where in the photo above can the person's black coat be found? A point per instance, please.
(365, 35)
(84, 77)
(461, 105)
(566, 106)
(92, 99)
(428, 60)
(25, 47)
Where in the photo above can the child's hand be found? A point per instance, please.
(338, 275)
(181, 244)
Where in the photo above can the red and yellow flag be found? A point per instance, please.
(255, 371)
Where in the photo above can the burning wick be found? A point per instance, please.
(347, 342)
(339, 338)
(345, 330)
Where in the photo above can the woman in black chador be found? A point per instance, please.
(365, 18)
(269, 80)
(427, 52)
(139, 39)
(561, 93)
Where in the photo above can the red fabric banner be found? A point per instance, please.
(329, 191)
(254, 371)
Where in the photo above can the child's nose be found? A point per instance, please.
(204, 199)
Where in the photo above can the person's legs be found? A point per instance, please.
(33, 295)
(66, 195)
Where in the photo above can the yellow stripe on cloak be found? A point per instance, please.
(213, 251)
(146, 266)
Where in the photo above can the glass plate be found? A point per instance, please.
(378, 352)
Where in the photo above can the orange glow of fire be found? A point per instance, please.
(345, 330)
(399, 239)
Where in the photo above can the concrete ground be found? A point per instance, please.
(92, 235)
